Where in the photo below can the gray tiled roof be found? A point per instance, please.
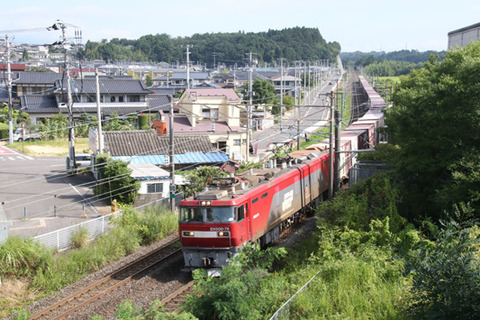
(39, 104)
(48, 104)
(107, 86)
(163, 91)
(159, 102)
(182, 75)
(110, 110)
(146, 142)
(36, 77)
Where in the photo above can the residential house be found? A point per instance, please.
(287, 84)
(154, 182)
(178, 79)
(145, 146)
(43, 95)
(216, 114)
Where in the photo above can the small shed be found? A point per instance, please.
(154, 182)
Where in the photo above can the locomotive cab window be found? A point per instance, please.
(240, 213)
(207, 214)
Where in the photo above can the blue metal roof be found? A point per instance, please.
(185, 158)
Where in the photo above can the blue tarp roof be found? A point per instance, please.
(185, 158)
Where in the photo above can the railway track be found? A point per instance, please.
(173, 301)
(104, 286)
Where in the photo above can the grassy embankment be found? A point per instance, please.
(30, 271)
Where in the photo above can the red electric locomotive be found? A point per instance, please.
(257, 205)
(254, 206)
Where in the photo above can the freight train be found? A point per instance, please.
(257, 205)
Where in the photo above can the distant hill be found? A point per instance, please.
(413, 56)
(387, 64)
(291, 44)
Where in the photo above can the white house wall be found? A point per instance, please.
(166, 186)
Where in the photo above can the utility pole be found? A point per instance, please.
(336, 186)
(305, 81)
(188, 66)
(296, 93)
(281, 93)
(297, 110)
(71, 122)
(330, 151)
(9, 87)
(172, 159)
(214, 54)
(99, 114)
(309, 87)
(249, 108)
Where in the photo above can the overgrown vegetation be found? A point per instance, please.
(45, 272)
(364, 262)
(400, 245)
(115, 181)
(197, 179)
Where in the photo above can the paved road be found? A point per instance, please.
(7, 154)
(312, 117)
(31, 187)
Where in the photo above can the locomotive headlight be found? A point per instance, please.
(223, 234)
(205, 203)
(188, 233)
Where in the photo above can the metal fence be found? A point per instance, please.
(363, 170)
(284, 311)
(62, 238)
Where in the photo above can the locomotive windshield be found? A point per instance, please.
(207, 214)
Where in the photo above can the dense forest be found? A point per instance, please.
(269, 47)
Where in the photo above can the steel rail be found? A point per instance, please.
(113, 277)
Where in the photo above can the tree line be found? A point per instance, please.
(389, 64)
(299, 43)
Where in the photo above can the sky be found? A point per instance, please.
(367, 25)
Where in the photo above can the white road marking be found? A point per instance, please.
(86, 200)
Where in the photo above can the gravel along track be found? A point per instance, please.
(157, 283)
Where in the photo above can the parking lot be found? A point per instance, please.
(38, 196)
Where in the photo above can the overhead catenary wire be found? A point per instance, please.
(139, 154)
(150, 109)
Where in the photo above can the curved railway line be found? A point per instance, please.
(142, 280)
(81, 299)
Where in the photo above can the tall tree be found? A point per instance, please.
(435, 121)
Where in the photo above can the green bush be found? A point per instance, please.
(80, 238)
(371, 199)
(239, 292)
(446, 276)
(143, 120)
(151, 224)
(23, 257)
(3, 131)
(366, 286)
(78, 263)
